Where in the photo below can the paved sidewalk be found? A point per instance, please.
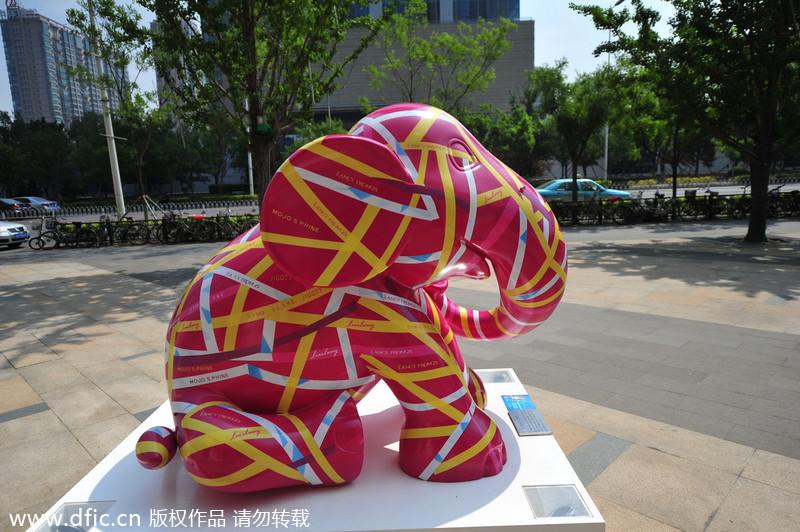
(670, 374)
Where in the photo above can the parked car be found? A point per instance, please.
(561, 190)
(42, 204)
(10, 205)
(13, 234)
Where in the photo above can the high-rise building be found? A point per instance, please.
(38, 51)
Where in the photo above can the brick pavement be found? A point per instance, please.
(670, 374)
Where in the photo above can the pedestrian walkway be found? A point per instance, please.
(670, 374)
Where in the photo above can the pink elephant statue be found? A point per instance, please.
(285, 329)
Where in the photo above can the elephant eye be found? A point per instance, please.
(460, 156)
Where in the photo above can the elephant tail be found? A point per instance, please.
(156, 447)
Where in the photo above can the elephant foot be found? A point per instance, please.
(228, 449)
(467, 451)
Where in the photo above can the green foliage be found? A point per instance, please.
(573, 113)
(508, 135)
(211, 197)
(311, 130)
(228, 190)
(44, 159)
(258, 62)
(732, 65)
(88, 158)
(440, 68)
(115, 32)
(33, 156)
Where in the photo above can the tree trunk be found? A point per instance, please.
(140, 173)
(262, 163)
(575, 179)
(760, 165)
(759, 189)
(674, 182)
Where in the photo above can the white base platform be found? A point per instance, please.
(537, 479)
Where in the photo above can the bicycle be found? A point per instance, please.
(45, 224)
(710, 208)
(174, 229)
(227, 227)
(77, 235)
(624, 213)
(590, 211)
(792, 202)
(716, 207)
(658, 209)
(777, 205)
(126, 231)
(738, 206)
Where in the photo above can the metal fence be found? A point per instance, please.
(110, 210)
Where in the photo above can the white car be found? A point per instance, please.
(13, 234)
(42, 204)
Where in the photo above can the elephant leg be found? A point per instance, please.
(228, 449)
(446, 437)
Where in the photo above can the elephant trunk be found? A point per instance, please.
(529, 259)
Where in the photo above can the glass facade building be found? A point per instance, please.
(38, 51)
(443, 16)
(449, 11)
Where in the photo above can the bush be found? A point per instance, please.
(228, 188)
(739, 171)
(172, 198)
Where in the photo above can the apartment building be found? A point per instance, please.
(38, 52)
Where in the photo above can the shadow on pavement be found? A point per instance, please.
(716, 262)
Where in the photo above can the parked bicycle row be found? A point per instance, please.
(171, 229)
(711, 206)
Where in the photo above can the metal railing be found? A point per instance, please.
(110, 210)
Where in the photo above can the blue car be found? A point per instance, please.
(561, 190)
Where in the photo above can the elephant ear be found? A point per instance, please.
(337, 211)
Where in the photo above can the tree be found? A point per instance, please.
(442, 69)
(9, 154)
(116, 36)
(32, 156)
(88, 158)
(734, 65)
(252, 68)
(661, 124)
(307, 131)
(639, 124)
(511, 136)
(45, 148)
(578, 110)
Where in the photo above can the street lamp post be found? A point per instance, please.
(116, 179)
(605, 148)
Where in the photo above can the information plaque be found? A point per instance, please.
(527, 419)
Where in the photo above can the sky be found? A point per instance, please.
(559, 33)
